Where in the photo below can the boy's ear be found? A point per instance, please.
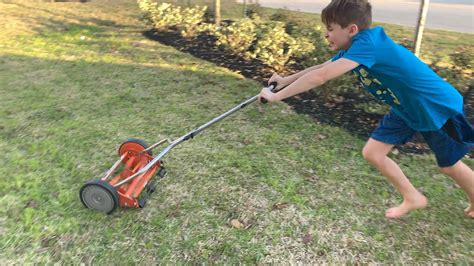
(353, 30)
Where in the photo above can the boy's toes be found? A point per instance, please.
(395, 212)
(406, 207)
(469, 212)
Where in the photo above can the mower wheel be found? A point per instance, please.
(136, 145)
(99, 195)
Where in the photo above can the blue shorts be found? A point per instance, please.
(449, 144)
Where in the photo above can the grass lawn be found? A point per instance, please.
(78, 79)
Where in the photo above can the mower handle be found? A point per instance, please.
(272, 88)
(193, 133)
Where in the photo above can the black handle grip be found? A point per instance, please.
(272, 87)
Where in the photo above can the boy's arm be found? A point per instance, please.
(292, 78)
(311, 79)
(285, 81)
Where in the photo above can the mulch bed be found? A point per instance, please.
(339, 110)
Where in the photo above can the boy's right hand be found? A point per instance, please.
(281, 82)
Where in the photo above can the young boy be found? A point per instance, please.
(420, 100)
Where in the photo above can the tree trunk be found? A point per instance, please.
(217, 12)
(245, 8)
(421, 25)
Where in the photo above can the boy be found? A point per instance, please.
(420, 100)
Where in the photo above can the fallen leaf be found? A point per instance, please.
(280, 206)
(307, 239)
(312, 178)
(320, 137)
(247, 142)
(236, 224)
(329, 105)
(338, 99)
(32, 204)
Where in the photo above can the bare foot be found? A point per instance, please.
(418, 202)
(469, 211)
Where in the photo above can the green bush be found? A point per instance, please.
(253, 11)
(321, 52)
(280, 15)
(275, 47)
(192, 22)
(238, 37)
(162, 17)
(291, 24)
(188, 21)
(250, 38)
(266, 41)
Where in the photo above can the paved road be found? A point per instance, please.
(452, 17)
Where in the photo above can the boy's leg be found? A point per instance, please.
(464, 177)
(450, 145)
(375, 152)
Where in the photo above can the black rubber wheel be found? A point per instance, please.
(138, 145)
(100, 196)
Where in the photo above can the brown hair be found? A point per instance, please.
(345, 12)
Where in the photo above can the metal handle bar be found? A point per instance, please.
(192, 134)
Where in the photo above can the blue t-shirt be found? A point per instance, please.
(397, 77)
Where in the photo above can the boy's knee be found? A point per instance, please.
(375, 152)
(370, 155)
(449, 170)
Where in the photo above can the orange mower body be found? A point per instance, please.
(107, 193)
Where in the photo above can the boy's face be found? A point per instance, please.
(340, 38)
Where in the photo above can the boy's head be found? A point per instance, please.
(344, 19)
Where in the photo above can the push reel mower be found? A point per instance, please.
(135, 170)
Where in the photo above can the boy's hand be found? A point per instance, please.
(279, 80)
(268, 95)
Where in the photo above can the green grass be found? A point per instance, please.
(67, 103)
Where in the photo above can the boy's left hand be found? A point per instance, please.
(268, 95)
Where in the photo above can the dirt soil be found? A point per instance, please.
(338, 110)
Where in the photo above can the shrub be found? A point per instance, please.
(253, 11)
(267, 42)
(280, 15)
(321, 52)
(291, 24)
(192, 21)
(238, 37)
(162, 17)
(275, 47)
(250, 38)
(189, 21)
(147, 6)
